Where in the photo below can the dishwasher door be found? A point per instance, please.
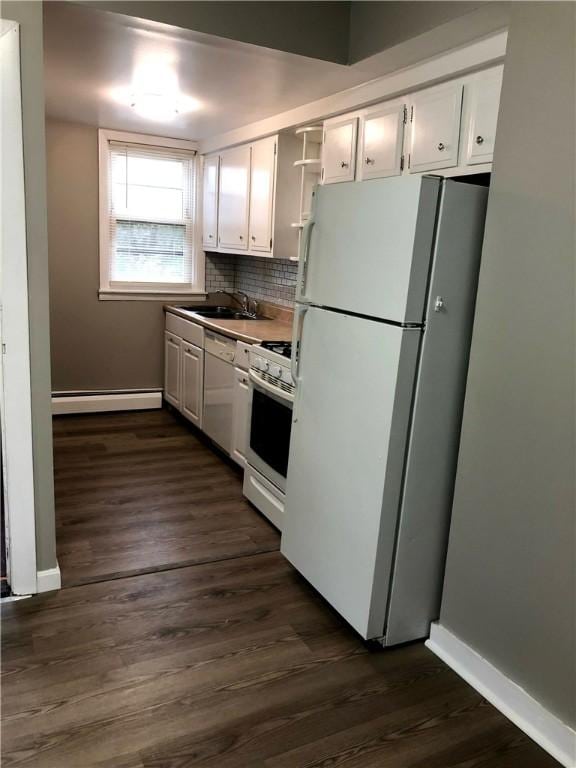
(218, 393)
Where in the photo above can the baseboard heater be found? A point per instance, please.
(106, 401)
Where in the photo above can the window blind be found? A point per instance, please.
(152, 209)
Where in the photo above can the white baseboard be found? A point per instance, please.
(49, 580)
(95, 403)
(556, 737)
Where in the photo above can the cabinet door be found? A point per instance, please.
(192, 382)
(262, 167)
(339, 150)
(210, 202)
(482, 99)
(172, 354)
(240, 425)
(233, 198)
(381, 136)
(435, 128)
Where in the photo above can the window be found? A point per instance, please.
(148, 215)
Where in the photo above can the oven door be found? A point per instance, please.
(270, 425)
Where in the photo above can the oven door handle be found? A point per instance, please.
(262, 384)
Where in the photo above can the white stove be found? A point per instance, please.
(270, 422)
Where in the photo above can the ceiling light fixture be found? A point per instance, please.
(155, 106)
(155, 93)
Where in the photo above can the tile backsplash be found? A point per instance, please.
(265, 279)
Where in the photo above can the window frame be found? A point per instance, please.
(139, 291)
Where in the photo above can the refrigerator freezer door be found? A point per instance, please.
(351, 416)
(370, 247)
(437, 415)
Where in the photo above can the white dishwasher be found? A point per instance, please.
(218, 388)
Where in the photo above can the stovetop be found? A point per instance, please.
(283, 348)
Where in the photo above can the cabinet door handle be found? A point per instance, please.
(479, 140)
(241, 237)
(344, 164)
(441, 147)
(210, 236)
(370, 161)
(254, 238)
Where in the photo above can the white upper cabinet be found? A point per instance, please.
(380, 142)
(262, 194)
(435, 128)
(234, 198)
(339, 149)
(481, 102)
(210, 202)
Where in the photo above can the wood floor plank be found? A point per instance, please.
(117, 484)
(231, 663)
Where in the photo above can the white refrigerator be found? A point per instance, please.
(385, 303)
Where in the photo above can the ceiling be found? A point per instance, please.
(91, 58)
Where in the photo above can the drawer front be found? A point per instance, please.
(187, 330)
(241, 360)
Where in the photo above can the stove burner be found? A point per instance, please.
(283, 348)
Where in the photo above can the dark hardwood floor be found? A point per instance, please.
(138, 492)
(230, 664)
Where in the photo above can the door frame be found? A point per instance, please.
(15, 386)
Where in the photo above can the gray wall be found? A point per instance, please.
(29, 16)
(96, 345)
(310, 28)
(510, 579)
(375, 26)
(342, 32)
(107, 345)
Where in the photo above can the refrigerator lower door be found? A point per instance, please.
(349, 431)
(369, 249)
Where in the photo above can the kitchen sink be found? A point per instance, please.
(224, 313)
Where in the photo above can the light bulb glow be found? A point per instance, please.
(154, 93)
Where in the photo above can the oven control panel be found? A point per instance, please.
(272, 367)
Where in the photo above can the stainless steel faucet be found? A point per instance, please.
(244, 302)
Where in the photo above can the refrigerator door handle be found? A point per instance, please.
(299, 312)
(303, 260)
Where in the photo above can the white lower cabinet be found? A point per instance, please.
(184, 367)
(192, 383)
(206, 379)
(172, 378)
(240, 427)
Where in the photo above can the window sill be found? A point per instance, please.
(109, 295)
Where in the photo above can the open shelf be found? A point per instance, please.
(310, 163)
(309, 129)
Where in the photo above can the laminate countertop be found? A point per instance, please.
(250, 331)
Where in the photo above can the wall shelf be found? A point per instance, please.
(310, 165)
(309, 162)
(309, 129)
